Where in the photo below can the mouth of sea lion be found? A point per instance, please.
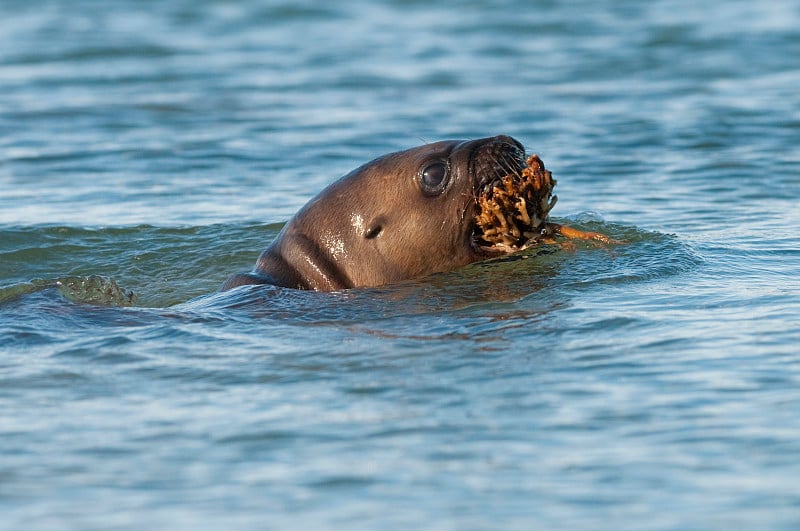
(513, 198)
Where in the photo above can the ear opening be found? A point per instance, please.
(374, 228)
(373, 231)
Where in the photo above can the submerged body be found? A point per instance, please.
(405, 215)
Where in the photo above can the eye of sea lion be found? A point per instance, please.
(433, 178)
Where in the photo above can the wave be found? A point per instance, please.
(161, 267)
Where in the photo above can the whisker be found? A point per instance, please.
(510, 164)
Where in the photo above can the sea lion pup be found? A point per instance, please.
(408, 214)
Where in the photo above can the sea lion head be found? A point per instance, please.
(401, 216)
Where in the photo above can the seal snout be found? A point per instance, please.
(494, 158)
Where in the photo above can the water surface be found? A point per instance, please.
(150, 149)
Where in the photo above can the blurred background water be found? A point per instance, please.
(149, 149)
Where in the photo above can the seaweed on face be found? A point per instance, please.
(512, 210)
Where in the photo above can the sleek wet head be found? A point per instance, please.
(401, 216)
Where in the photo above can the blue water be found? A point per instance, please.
(150, 149)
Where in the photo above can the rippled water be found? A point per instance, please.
(150, 149)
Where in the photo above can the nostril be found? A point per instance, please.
(510, 140)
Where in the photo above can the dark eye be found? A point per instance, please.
(433, 178)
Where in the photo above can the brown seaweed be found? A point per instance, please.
(512, 210)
